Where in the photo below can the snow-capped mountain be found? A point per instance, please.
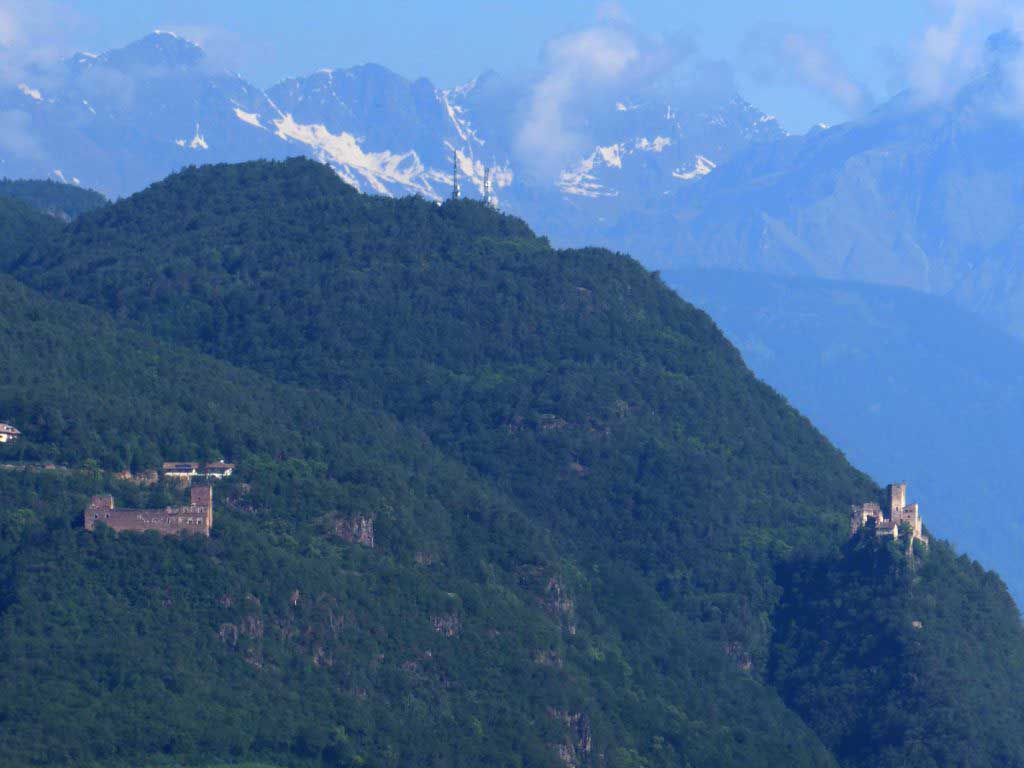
(120, 120)
(123, 119)
(661, 144)
(382, 133)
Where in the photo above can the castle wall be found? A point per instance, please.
(196, 517)
(899, 513)
(862, 513)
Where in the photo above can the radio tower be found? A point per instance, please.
(487, 188)
(455, 175)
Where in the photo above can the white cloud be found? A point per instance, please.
(584, 60)
(970, 37)
(952, 51)
(579, 67)
(775, 53)
(33, 37)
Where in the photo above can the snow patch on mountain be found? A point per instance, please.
(612, 155)
(378, 169)
(583, 182)
(702, 166)
(457, 113)
(32, 93)
(59, 175)
(656, 145)
(198, 142)
(248, 117)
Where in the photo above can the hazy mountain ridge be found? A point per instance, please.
(63, 201)
(918, 195)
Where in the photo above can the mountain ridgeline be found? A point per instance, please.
(63, 201)
(589, 535)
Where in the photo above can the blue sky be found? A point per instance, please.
(848, 54)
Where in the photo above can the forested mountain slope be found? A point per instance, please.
(460, 635)
(21, 226)
(573, 379)
(893, 643)
(609, 478)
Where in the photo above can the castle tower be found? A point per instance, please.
(202, 496)
(899, 514)
(897, 497)
(99, 509)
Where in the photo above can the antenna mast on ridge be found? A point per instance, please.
(487, 188)
(455, 174)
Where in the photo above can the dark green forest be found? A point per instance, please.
(598, 539)
(889, 650)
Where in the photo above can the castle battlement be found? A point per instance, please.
(195, 517)
(887, 523)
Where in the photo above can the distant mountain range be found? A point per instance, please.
(124, 119)
(923, 196)
(927, 197)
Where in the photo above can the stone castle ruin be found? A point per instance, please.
(195, 517)
(887, 523)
